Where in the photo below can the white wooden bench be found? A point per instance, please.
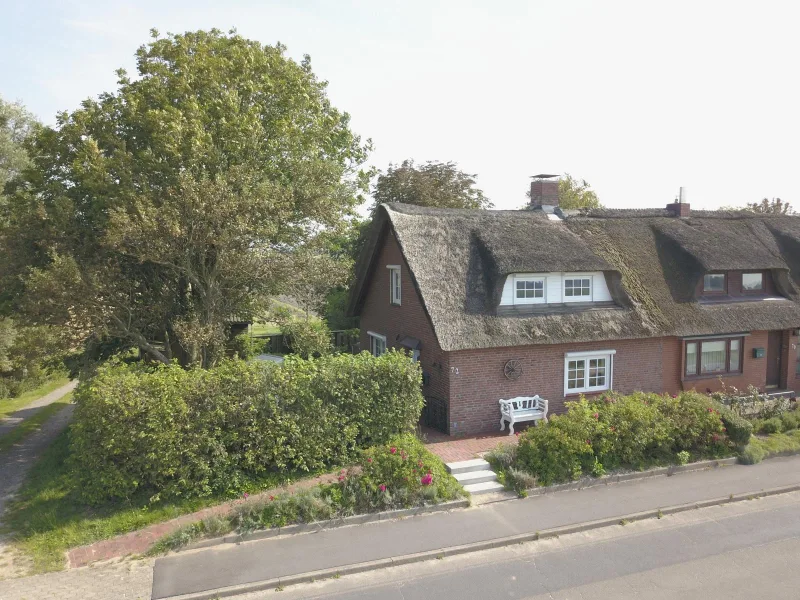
(522, 408)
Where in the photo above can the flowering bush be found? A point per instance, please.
(622, 431)
(401, 473)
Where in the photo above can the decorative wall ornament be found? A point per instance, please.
(513, 369)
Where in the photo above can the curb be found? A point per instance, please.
(476, 546)
(328, 524)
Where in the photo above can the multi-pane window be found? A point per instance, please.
(529, 290)
(394, 284)
(377, 343)
(714, 282)
(713, 357)
(752, 282)
(579, 288)
(587, 372)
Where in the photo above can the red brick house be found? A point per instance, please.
(498, 304)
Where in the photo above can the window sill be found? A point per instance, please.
(591, 393)
(708, 376)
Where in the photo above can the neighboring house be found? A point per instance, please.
(498, 304)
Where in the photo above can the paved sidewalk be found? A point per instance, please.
(255, 561)
(128, 580)
(27, 411)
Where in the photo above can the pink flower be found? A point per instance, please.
(588, 442)
(710, 409)
(369, 460)
(382, 487)
(596, 415)
(342, 477)
(246, 495)
(426, 479)
(420, 465)
(674, 395)
(715, 437)
(271, 498)
(393, 450)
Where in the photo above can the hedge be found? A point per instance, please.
(621, 432)
(166, 431)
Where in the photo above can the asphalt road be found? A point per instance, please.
(748, 550)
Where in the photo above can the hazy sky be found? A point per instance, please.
(637, 97)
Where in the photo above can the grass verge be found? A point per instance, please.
(33, 423)
(11, 405)
(48, 518)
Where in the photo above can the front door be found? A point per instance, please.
(774, 358)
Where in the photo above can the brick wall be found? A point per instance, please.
(407, 319)
(477, 380)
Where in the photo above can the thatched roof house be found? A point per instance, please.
(640, 287)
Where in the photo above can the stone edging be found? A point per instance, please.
(328, 524)
(476, 546)
(657, 472)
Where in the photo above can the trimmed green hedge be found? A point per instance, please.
(737, 427)
(168, 432)
(622, 432)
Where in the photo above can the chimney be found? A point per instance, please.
(544, 192)
(679, 208)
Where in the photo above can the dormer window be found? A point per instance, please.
(577, 289)
(529, 290)
(714, 283)
(752, 282)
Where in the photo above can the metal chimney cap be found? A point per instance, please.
(543, 176)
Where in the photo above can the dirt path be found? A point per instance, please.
(26, 412)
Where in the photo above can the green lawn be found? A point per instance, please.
(32, 423)
(48, 517)
(776, 443)
(10, 405)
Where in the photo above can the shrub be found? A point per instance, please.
(768, 426)
(737, 427)
(622, 431)
(167, 431)
(790, 420)
(752, 454)
(245, 346)
(683, 457)
(307, 338)
(398, 474)
(502, 457)
(519, 481)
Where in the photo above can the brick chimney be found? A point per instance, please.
(544, 192)
(679, 208)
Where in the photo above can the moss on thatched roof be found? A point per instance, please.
(459, 259)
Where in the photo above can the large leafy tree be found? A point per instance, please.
(16, 125)
(776, 206)
(436, 184)
(185, 198)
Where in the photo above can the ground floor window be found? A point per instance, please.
(377, 343)
(713, 357)
(588, 371)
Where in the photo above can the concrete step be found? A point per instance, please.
(486, 487)
(475, 477)
(465, 466)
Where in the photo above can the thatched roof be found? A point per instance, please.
(459, 260)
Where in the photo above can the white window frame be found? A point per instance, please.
(373, 337)
(573, 277)
(608, 355)
(395, 286)
(542, 300)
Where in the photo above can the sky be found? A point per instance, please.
(638, 98)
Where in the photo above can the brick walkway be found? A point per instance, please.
(453, 449)
(138, 542)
